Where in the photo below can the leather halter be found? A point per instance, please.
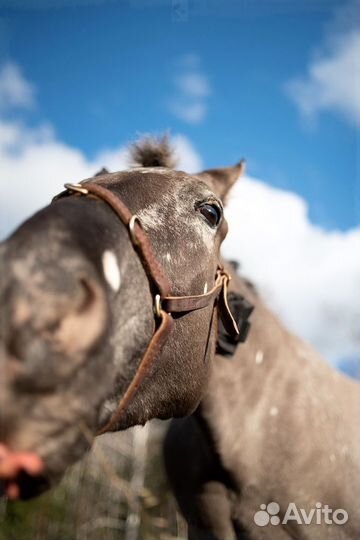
(160, 287)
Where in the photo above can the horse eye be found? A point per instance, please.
(211, 212)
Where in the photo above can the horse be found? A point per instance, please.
(109, 303)
(111, 297)
(273, 450)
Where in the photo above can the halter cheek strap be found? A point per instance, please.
(160, 288)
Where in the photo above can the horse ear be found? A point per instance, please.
(222, 180)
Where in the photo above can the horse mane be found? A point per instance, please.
(152, 152)
(102, 171)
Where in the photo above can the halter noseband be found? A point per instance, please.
(160, 288)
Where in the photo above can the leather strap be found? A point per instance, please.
(225, 312)
(160, 286)
(182, 304)
(138, 237)
(147, 361)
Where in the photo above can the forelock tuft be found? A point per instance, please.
(152, 152)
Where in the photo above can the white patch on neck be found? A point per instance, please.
(259, 357)
(168, 257)
(111, 270)
(274, 411)
(205, 288)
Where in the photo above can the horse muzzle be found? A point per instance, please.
(18, 470)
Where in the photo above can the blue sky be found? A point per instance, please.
(217, 72)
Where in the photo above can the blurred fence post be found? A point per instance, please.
(139, 449)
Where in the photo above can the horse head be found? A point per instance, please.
(77, 319)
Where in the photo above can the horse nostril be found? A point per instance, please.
(28, 367)
(15, 345)
(46, 339)
(19, 471)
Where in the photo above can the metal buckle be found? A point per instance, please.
(157, 305)
(132, 222)
(78, 188)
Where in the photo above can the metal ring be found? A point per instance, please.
(157, 305)
(78, 188)
(132, 222)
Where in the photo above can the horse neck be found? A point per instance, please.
(272, 365)
(268, 340)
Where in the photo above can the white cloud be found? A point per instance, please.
(194, 84)
(193, 113)
(187, 157)
(34, 165)
(15, 91)
(192, 90)
(309, 276)
(332, 81)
